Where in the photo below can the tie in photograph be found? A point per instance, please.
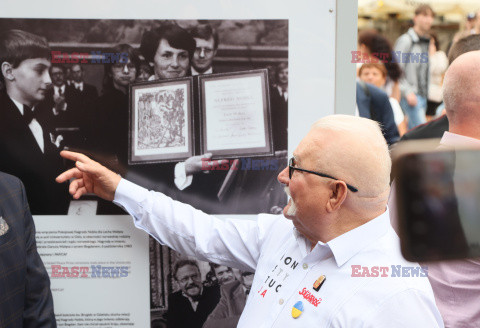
(28, 114)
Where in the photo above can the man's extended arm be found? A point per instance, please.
(234, 243)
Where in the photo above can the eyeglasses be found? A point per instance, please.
(291, 168)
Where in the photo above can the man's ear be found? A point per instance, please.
(338, 194)
(7, 71)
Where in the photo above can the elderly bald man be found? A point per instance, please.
(334, 263)
(456, 284)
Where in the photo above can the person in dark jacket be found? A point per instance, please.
(373, 103)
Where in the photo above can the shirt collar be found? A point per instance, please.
(19, 105)
(413, 34)
(345, 246)
(208, 71)
(453, 140)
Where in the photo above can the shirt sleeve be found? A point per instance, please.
(182, 180)
(409, 308)
(234, 243)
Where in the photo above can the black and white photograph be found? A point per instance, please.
(161, 122)
(84, 106)
(220, 292)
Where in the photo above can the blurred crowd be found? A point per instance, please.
(409, 72)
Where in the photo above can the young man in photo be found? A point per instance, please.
(26, 146)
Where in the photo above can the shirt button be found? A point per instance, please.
(280, 301)
(305, 266)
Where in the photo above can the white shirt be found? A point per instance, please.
(78, 85)
(34, 126)
(282, 93)
(284, 267)
(58, 89)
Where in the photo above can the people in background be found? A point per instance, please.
(376, 74)
(190, 306)
(26, 147)
(206, 40)
(414, 84)
(438, 64)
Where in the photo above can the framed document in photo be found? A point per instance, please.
(235, 114)
(161, 121)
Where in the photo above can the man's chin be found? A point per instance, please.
(193, 292)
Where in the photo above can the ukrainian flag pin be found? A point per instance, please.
(319, 282)
(297, 309)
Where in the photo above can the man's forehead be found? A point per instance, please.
(56, 69)
(222, 269)
(38, 61)
(204, 42)
(188, 267)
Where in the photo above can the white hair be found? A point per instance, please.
(357, 152)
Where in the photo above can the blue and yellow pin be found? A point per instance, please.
(297, 309)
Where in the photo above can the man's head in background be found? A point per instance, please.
(25, 60)
(461, 94)
(223, 273)
(281, 74)
(373, 73)
(206, 40)
(187, 274)
(57, 74)
(350, 184)
(77, 73)
(245, 278)
(464, 45)
(170, 48)
(423, 19)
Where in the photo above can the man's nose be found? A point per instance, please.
(46, 78)
(125, 69)
(283, 177)
(202, 53)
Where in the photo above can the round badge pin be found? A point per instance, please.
(297, 309)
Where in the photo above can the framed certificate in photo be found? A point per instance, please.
(161, 121)
(235, 114)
